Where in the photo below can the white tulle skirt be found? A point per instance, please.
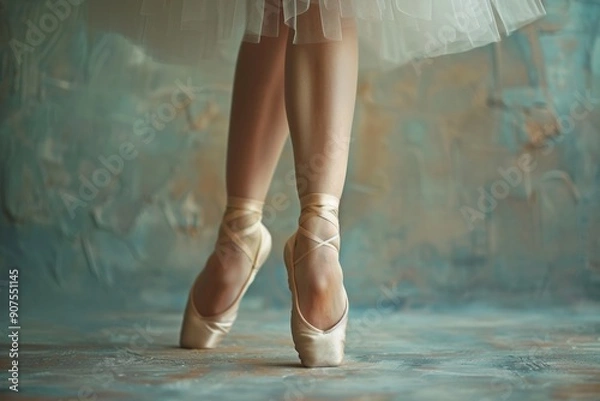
(395, 32)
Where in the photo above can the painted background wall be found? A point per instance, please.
(474, 177)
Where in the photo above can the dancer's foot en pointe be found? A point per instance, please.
(319, 300)
(242, 247)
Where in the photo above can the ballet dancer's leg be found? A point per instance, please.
(320, 91)
(257, 133)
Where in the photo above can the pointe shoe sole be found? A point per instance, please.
(199, 332)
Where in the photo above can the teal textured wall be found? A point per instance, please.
(473, 177)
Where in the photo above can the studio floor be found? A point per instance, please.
(470, 353)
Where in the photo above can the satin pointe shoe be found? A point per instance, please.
(315, 347)
(201, 332)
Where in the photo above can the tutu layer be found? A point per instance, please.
(396, 31)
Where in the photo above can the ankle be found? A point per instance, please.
(236, 221)
(239, 231)
(319, 218)
(321, 228)
(319, 199)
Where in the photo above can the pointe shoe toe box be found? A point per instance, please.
(198, 332)
(319, 348)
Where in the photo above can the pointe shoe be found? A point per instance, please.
(315, 347)
(200, 332)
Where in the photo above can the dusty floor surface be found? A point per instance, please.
(465, 354)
